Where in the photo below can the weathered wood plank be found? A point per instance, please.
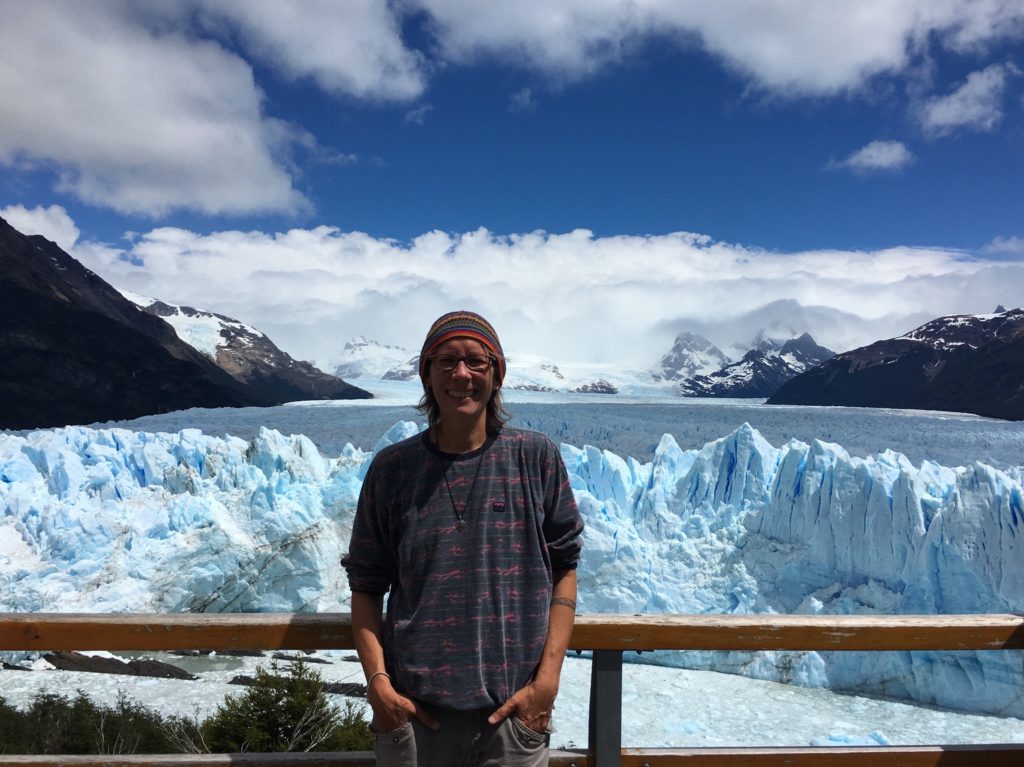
(321, 631)
(1007, 755)
(799, 632)
(325, 759)
(175, 631)
(320, 759)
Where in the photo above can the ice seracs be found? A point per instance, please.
(116, 520)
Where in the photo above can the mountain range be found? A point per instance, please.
(702, 370)
(760, 371)
(693, 367)
(76, 351)
(248, 355)
(964, 363)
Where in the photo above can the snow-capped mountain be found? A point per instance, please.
(115, 520)
(248, 355)
(76, 351)
(691, 354)
(966, 363)
(761, 371)
(970, 331)
(365, 358)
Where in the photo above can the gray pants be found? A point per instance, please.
(465, 739)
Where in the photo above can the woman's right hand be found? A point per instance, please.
(391, 709)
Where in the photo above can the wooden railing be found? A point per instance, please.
(608, 636)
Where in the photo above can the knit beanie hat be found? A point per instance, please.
(462, 324)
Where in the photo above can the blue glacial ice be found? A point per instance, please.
(119, 520)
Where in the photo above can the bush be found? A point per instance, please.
(10, 729)
(288, 712)
(57, 724)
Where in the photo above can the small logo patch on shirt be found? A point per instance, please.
(499, 506)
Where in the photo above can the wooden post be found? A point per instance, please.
(605, 744)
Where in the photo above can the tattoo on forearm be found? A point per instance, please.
(570, 603)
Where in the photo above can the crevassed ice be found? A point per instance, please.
(117, 520)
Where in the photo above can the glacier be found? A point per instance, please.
(109, 519)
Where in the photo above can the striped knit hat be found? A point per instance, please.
(462, 324)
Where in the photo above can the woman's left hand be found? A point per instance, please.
(532, 704)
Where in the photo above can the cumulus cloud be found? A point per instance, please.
(877, 156)
(53, 223)
(616, 299)
(975, 105)
(148, 108)
(352, 48)
(788, 47)
(135, 117)
(1005, 246)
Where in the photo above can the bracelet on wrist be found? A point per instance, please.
(376, 674)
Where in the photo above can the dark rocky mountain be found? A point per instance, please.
(250, 357)
(74, 350)
(761, 371)
(691, 354)
(600, 386)
(407, 371)
(962, 363)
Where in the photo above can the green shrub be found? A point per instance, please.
(57, 724)
(11, 729)
(287, 712)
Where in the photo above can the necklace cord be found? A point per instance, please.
(461, 514)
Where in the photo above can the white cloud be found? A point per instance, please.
(844, 330)
(53, 223)
(141, 120)
(788, 47)
(1005, 246)
(150, 107)
(611, 299)
(521, 101)
(351, 47)
(339, 158)
(975, 105)
(418, 115)
(877, 156)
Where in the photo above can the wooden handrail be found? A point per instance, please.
(848, 756)
(608, 636)
(323, 631)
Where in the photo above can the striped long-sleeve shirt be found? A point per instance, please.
(467, 545)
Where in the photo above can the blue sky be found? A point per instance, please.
(622, 170)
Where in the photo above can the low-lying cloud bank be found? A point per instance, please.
(573, 296)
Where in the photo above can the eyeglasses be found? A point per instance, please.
(446, 363)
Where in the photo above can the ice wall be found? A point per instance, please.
(113, 520)
(740, 526)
